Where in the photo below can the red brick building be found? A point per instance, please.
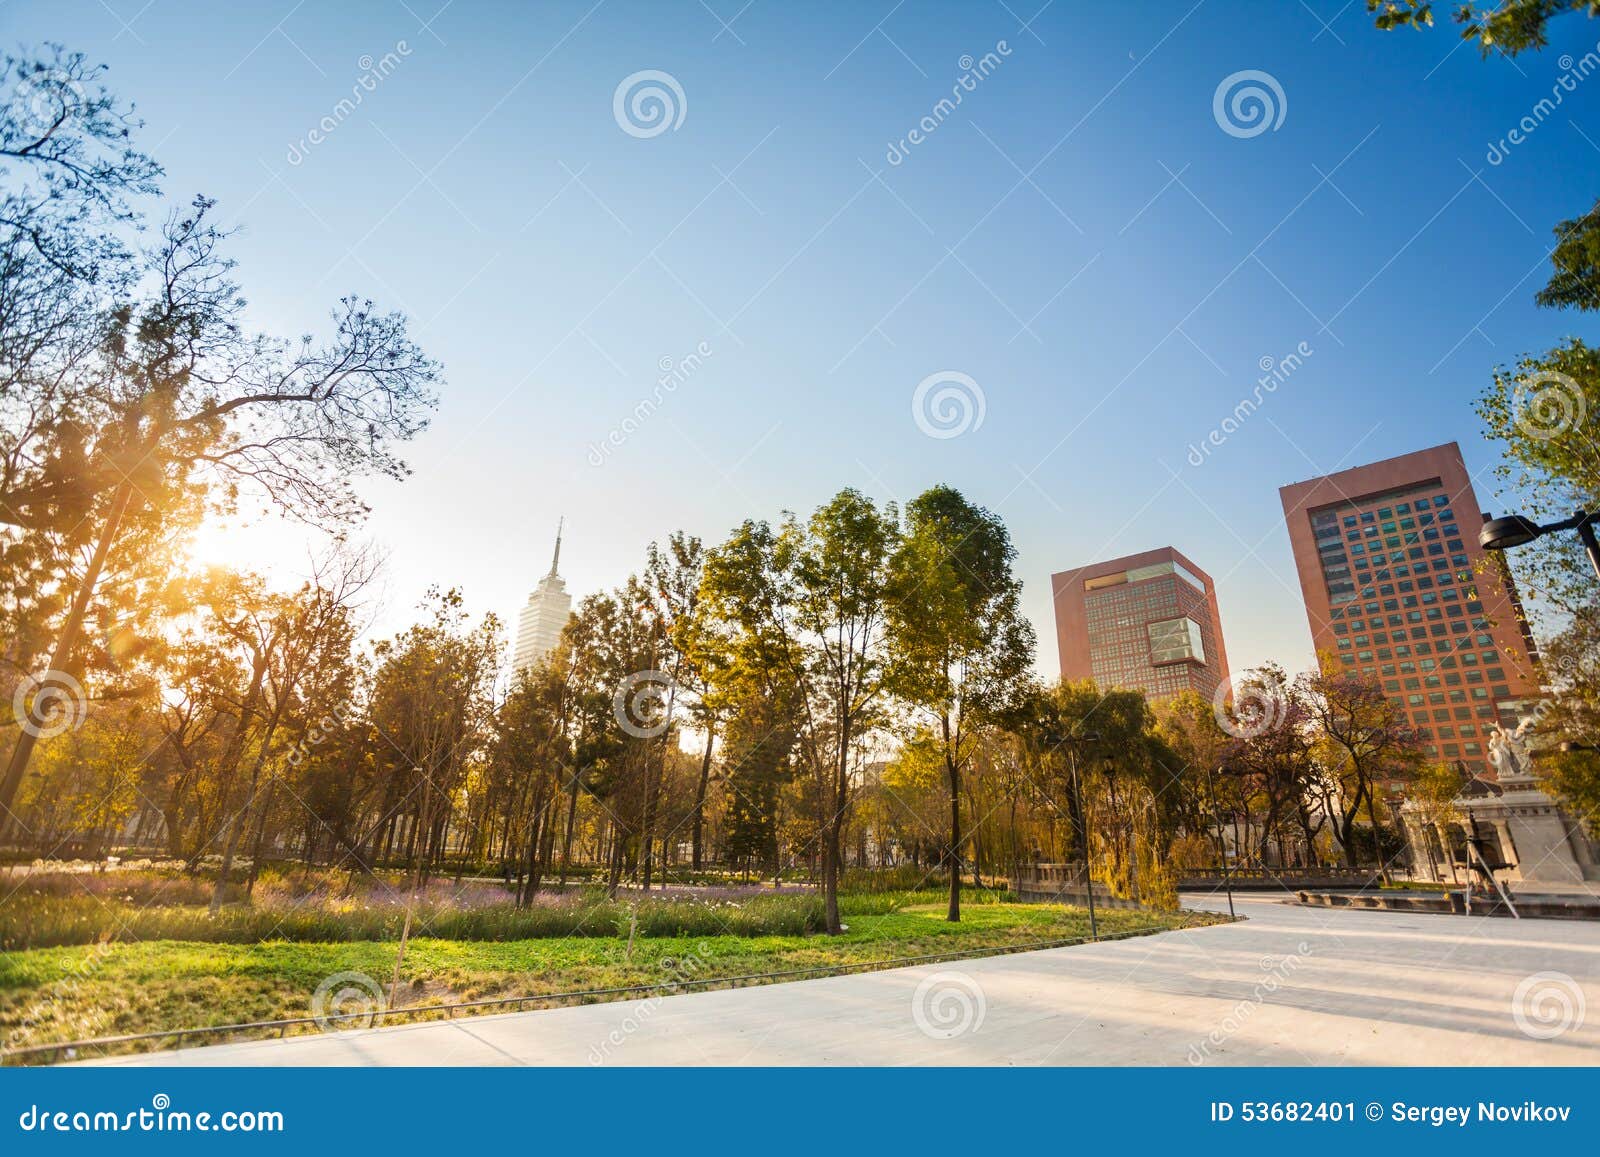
(1147, 622)
(1398, 588)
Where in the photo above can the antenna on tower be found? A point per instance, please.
(555, 559)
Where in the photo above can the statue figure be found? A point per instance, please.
(1508, 752)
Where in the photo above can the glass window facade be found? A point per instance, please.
(1176, 641)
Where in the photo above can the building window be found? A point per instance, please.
(1176, 641)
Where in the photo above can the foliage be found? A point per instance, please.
(1511, 26)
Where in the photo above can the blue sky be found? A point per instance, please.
(1080, 238)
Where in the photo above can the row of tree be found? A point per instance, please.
(852, 687)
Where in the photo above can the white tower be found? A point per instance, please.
(545, 614)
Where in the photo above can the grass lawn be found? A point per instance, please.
(72, 992)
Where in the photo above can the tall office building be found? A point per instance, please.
(1398, 588)
(543, 616)
(1147, 622)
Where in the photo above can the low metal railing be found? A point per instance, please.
(1287, 875)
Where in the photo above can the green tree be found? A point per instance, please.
(961, 647)
(1075, 730)
(756, 767)
(803, 611)
(528, 761)
(1364, 742)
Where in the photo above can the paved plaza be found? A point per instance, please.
(1288, 986)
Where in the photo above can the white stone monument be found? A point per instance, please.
(1540, 841)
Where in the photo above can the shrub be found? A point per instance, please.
(45, 920)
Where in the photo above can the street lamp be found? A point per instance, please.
(1516, 530)
(1222, 847)
(1083, 823)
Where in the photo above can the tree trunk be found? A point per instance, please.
(700, 794)
(1377, 837)
(954, 913)
(230, 764)
(536, 823)
(259, 843)
(830, 880)
(572, 815)
(615, 879)
(832, 849)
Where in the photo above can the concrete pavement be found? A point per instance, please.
(1288, 986)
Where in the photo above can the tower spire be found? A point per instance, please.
(555, 560)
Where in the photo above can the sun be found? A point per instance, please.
(277, 549)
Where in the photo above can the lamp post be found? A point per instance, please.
(1083, 823)
(1516, 530)
(1222, 847)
